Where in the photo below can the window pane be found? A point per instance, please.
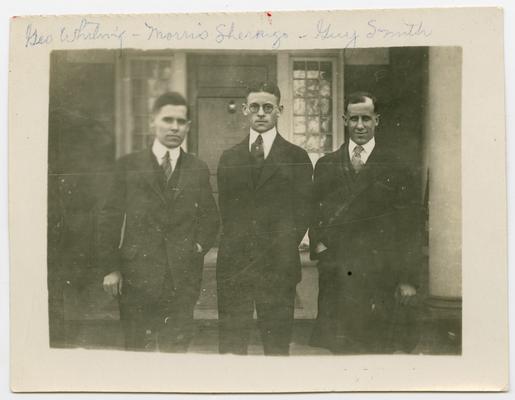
(313, 125)
(325, 106)
(325, 125)
(299, 124)
(326, 70)
(325, 88)
(312, 68)
(299, 88)
(311, 87)
(299, 106)
(149, 78)
(312, 105)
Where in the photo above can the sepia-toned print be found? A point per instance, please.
(249, 214)
(261, 202)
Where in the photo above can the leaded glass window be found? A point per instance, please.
(149, 78)
(313, 105)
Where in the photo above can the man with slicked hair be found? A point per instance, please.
(156, 225)
(364, 234)
(264, 186)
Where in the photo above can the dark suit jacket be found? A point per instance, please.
(263, 224)
(159, 233)
(368, 221)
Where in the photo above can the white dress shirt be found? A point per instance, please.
(160, 150)
(367, 149)
(268, 139)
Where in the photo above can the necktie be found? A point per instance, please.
(257, 150)
(166, 164)
(356, 160)
(258, 154)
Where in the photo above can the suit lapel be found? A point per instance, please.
(347, 171)
(272, 162)
(184, 170)
(244, 162)
(151, 173)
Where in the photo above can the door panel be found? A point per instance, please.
(219, 129)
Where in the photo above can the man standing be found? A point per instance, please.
(264, 188)
(363, 234)
(161, 203)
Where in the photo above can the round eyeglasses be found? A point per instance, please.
(267, 108)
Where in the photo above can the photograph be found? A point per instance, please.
(254, 202)
(259, 202)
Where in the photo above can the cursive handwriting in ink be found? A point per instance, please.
(324, 31)
(90, 30)
(229, 32)
(155, 33)
(34, 38)
(408, 29)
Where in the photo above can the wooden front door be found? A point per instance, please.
(217, 88)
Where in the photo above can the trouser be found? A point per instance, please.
(165, 324)
(274, 306)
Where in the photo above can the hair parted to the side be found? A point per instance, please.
(170, 98)
(360, 97)
(267, 87)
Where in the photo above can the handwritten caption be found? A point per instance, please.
(89, 30)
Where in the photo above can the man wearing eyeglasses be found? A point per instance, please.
(364, 234)
(264, 186)
(158, 222)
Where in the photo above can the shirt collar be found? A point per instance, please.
(159, 151)
(268, 136)
(367, 147)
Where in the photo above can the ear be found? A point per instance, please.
(376, 119)
(345, 119)
(280, 108)
(245, 109)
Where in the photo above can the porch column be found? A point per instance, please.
(443, 163)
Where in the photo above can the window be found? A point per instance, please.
(149, 77)
(313, 104)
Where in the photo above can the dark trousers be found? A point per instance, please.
(274, 306)
(165, 324)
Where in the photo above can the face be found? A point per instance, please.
(262, 111)
(361, 121)
(171, 125)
